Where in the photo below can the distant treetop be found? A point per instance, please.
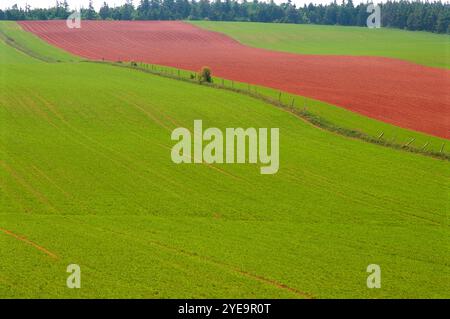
(410, 15)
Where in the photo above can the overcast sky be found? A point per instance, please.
(97, 3)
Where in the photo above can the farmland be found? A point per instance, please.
(13, 34)
(397, 92)
(86, 178)
(419, 47)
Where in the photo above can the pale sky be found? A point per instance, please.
(97, 3)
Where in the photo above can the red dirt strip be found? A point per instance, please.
(394, 91)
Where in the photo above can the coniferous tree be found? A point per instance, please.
(105, 12)
(404, 14)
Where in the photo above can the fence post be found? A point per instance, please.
(412, 140)
(442, 148)
(381, 135)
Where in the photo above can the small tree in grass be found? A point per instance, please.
(205, 75)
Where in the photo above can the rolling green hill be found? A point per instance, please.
(13, 34)
(86, 178)
(327, 113)
(419, 47)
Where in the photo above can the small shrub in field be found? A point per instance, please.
(133, 63)
(205, 75)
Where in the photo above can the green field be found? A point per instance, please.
(28, 43)
(331, 114)
(86, 178)
(419, 47)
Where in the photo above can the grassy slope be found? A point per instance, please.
(32, 44)
(86, 173)
(335, 115)
(419, 47)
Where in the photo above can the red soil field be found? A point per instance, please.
(394, 91)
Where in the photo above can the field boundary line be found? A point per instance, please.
(302, 114)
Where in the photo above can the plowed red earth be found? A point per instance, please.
(391, 90)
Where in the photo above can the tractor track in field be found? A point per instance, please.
(262, 279)
(27, 186)
(29, 242)
(248, 274)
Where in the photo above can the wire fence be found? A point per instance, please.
(298, 105)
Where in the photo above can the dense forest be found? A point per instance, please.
(410, 15)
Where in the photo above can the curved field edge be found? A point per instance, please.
(415, 46)
(321, 113)
(312, 111)
(90, 181)
(416, 104)
(13, 34)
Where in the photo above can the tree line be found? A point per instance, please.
(403, 14)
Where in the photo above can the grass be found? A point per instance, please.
(85, 172)
(13, 34)
(336, 117)
(320, 113)
(418, 47)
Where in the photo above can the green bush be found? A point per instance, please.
(205, 75)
